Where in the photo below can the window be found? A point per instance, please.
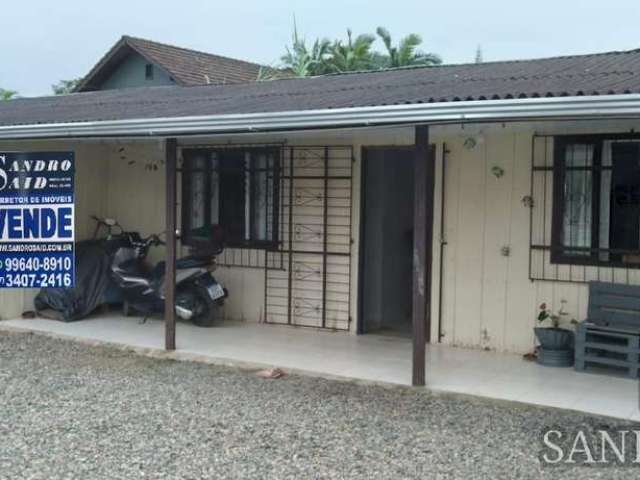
(148, 71)
(234, 190)
(596, 205)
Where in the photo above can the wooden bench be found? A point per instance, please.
(610, 336)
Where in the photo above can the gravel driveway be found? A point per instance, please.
(73, 411)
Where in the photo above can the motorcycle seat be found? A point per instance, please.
(185, 262)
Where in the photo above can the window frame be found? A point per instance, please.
(186, 202)
(149, 71)
(558, 250)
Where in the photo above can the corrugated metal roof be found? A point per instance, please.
(595, 74)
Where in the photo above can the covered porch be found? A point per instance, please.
(478, 244)
(465, 288)
(370, 358)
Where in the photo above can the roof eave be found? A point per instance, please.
(582, 107)
(87, 81)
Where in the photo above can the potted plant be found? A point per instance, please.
(556, 343)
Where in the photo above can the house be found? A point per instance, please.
(135, 62)
(444, 202)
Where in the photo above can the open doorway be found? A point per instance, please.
(386, 240)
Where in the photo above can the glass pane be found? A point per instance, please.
(270, 193)
(232, 195)
(578, 196)
(605, 214)
(197, 191)
(233, 189)
(579, 155)
(260, 198)
(249, 208)
(215, 190)
(624, 187)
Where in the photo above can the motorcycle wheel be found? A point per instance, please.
(203, 308)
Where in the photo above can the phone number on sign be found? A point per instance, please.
(37, 264)
(35, 280)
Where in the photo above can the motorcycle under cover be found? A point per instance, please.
(92, 277)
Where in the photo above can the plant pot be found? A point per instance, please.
(556, 346)
(554, 338)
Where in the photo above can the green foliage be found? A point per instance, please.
(64, 87)
(303, 61)
(353, 54)
(7, 94)
(406, 53)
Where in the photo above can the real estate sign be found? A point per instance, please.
(37, 219)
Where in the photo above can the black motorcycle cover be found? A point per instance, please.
(93, 260)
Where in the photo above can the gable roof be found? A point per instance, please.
(609, 73)
(187, 67)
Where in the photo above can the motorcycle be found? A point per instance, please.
(198, 294)
(94, 286)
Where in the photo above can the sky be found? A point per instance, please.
(42, 41)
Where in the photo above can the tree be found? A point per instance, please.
(303, 61)
(353, 55)
(406, 53)
(7, 94)
(324, 56)
(64, 87)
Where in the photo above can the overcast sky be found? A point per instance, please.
(43, 41)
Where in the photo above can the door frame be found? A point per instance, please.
(360, 327)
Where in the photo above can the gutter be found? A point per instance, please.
(582, 107)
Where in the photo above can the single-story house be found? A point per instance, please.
(445, 203)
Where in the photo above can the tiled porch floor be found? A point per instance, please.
(368, 357)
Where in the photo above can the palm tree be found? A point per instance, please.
(303, 61)
(352, 55)
(406, 53)
(7, 94)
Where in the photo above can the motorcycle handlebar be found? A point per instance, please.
(153, 240)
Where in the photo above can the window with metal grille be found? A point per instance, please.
(596, 200)
(233, 190)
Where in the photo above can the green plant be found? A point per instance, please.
(547, 313)
(64, 87)
(352, 55)
(302, 61)
(7, 94)
(406, 53)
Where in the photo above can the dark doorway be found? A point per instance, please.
(386, 240)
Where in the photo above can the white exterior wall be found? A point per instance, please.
(488, 300)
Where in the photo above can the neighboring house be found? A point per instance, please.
(134, 62)
(445, 201)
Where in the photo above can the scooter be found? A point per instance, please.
(198, 294)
